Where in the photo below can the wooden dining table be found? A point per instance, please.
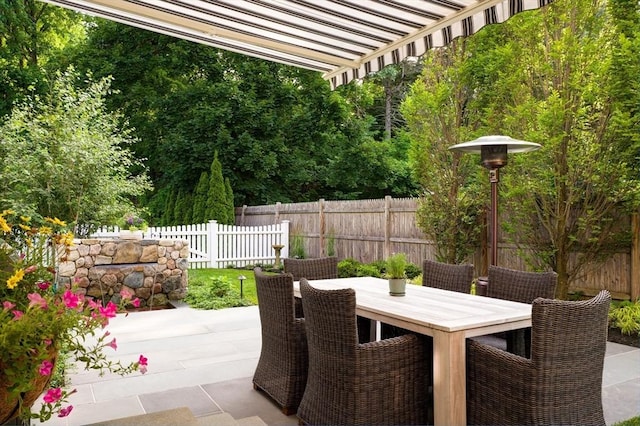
(448, 317)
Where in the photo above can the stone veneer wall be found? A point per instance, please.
(155, 271)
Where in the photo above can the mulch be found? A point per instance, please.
(616, 336)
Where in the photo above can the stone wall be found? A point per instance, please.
(155, 271)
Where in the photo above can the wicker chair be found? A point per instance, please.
(319, 268)
(312, 269)
(562, 382)
(383, 382)
(523, 287)
(282, 368)
(446, 276)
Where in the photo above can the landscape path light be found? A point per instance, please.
(493, 152)
(241, 278)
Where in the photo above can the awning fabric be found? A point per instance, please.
(343, 39)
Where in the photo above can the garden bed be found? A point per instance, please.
(616, 336)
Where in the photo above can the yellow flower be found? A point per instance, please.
(55, 221)
(15, 279)
(4, 225)
(25, 219)
(45, 230)
(25, 227)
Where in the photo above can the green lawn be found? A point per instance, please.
(248, 285)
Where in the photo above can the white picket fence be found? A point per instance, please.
(212, 245)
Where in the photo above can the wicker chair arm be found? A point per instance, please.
(499, 385)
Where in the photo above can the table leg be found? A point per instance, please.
(449, 379)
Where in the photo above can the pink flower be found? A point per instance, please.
(6, 305)
(64, 412)
(30, 269)
(71, 300)
(53, 395)
(142, 362)
(109, 311)
(36, 300)
(43, 285)
(126, 294)
(48, 342)
(136, 302)
(45, 368)
(113, 344)
(17, 314)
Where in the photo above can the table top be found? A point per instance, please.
(425, 309)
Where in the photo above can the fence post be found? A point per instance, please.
(284, 238)
(635, 256)
(321, 225)
(212, 243)
(276, 212)
(387, 227)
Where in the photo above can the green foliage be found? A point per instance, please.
(352, 268)
(65, 155)
(565, 201)
(396, 265)
(436, 110)
(214, 293)
(217, 205)
(634, 421)
(296, 243)
(412, 271)
(32, 34)
(231, 211)
(280, 132)
(200, 199)
(168, 217)
(331, 244)
(625, 316)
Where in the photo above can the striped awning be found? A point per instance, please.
(343, 39)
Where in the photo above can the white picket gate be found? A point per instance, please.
(212, 245)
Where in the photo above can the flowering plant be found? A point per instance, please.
(132, 222)
(41, 315)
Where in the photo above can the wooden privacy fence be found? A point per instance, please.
(370, 230)
(213, 245)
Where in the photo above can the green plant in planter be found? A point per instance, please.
(395, 272)
(396, 266)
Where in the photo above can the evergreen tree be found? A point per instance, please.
(168, 217)
(200, 199)
(217, 198)
(179, 209)
(231, 211)
(187, 211)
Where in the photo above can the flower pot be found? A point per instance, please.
(130, 235)
(10, 407)
(397, 286)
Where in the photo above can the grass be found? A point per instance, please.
(205, 277)
(634, 421)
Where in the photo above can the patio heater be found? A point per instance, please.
(493, 155)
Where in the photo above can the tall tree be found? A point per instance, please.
(280, 132)
(200, 199)
(31, 33)
(437, 117)
(217, 194)
(230, 207)
(564, 201)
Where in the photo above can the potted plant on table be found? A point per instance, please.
(395, 267)
(42, 314)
